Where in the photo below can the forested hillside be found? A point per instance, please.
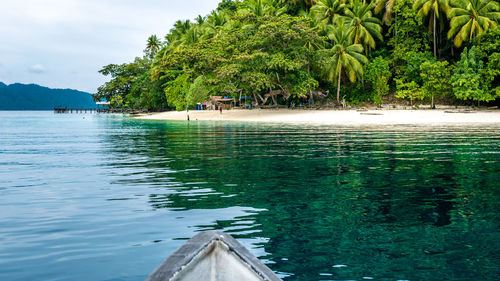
(355, 51)
(35, 97)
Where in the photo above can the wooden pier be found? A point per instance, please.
(80, 110)
(99, 110)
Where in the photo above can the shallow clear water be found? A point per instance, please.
(101, 197)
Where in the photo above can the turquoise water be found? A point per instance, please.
(102, 197)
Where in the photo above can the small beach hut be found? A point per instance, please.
(225, 102)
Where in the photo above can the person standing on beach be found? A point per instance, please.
(220, 109)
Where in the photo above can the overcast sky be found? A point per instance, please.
(63, 43)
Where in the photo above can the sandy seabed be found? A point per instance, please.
(337, 117)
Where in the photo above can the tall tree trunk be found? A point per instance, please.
(275, 102)
(338, 86)
(434, 33)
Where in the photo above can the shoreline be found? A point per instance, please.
(336, 117)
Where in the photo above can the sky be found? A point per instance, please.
(64, 43)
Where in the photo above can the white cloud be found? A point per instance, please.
(37, 68)
(64, 35)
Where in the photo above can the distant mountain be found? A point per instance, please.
(35, 97)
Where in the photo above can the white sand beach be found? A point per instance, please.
(337, 117)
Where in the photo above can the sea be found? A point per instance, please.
(108, 197)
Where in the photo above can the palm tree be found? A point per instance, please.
(470, 18)
(214, 24)
(326, 12)
(174, 37)
(387, 6)
(199, 20)
(153, 45)
(307, 4)
(434, 7)
(264, 8)
(364, 26)
(192, 36)
(345, 55)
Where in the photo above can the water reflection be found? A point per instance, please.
(325, 203)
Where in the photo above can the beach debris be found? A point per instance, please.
(371, 113)
(460, 111)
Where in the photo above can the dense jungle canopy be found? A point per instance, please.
(278, 51)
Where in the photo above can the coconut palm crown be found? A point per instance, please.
(326, 12)
(365, 26)
(434, 9)
(386, 6)
(469, 18)
(344, 55)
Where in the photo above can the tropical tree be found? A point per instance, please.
(177, 32)
(152, 46)
(306, 3)
(435, 78)
(229, 6)
(344, 56)
(298, 6)
(470, 18)
(434, 7)
(192, 36)
(378, 75)
(386, 6)
(365, 27)
(410, 90)
(326, 12)
(213, 24)
(468, 79)
(264, 7)
(198, 91)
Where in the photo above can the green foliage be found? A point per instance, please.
(122, 78)
(413, 62)
(152, 46)
(378, 75)
(297, 7)
(257, 56)
(284, 49)
(343, 56)
(488, 45)
(262, 8)
(435, 78)
(386, 6)
(198, 91)
(116, 101)
(470, 18)
(228, 6)
(146, 94)
(406, 36)
(326, 12)
(409, 90)
(364, 27)
(468, 79)
(176, 91)
(355, 93)
(433, 9)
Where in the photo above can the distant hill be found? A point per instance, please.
(35, 97)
